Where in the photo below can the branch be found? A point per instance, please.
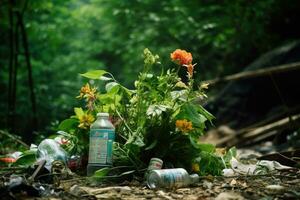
(256, 73)
(259, 133)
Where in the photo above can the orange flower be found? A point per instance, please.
(184, 125)
(182, 57)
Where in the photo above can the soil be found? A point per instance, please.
(282, 185)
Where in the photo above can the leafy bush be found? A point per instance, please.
(161, 117)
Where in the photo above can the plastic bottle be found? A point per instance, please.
(168, 178)
(102, 135)
(51, 151)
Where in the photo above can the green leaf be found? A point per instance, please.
(207, 147)
(151, 146)
(139, 142)
(202, 146)
(102, 172)
(156, 110)
(112, 86)
(95, 74)
(110, 99)
(229, 154)
(27, 159)
(179, 94)
(206, 114)
(68, 124)
(189, 112)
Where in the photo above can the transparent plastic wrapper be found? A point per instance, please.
(169, 178)
(51, 151)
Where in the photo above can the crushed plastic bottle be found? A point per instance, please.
(51, 151)
(169, 178)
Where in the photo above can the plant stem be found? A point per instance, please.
(124, 122)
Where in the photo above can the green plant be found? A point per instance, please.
(161, 117)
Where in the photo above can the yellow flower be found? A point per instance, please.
(195, 167)
(184, 125)
(87, 92)
(85, 121)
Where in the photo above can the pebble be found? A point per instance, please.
(229, 196)
(162, 194)
(183, 190)
(207, 184)
(275, 189)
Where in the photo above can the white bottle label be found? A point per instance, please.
(101, 146)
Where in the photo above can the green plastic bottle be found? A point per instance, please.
(102, 136)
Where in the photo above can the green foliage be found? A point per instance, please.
(28, 158)
(161, 118)
(72, 36)
(96, 74)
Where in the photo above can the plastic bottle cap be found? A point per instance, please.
(102, 115)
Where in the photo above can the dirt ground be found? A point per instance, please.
(276, 184)
(282, 185)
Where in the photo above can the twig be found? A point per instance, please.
(38, 169)
(14, 138)
(258, 131)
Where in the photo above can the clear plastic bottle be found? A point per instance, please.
(102, 136)
(168, 178)
(51, 151)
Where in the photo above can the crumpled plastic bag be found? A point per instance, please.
(261, 167)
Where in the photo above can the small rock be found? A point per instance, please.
(233, 182)
(244, 185)
(207, 184)
(177, 196)
(228, 172)
(183, 190)
(162, 194)
(74, 189)
(275, 189)
(229, 196)
(191, 197)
